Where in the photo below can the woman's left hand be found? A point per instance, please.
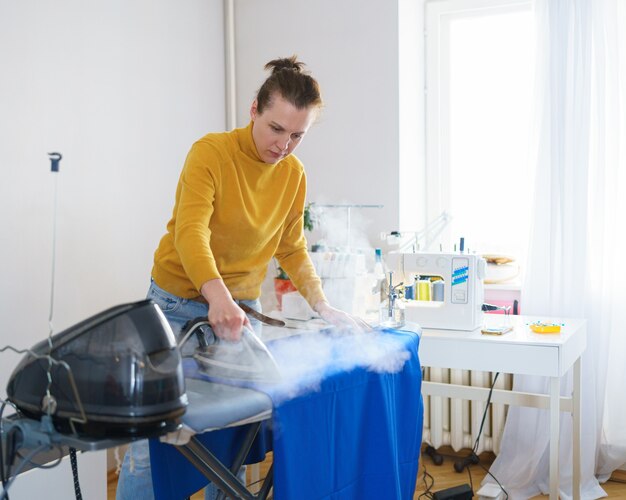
(339, 318)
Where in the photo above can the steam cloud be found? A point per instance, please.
(304, 360)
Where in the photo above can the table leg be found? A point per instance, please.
(576, 429)
(555, 384)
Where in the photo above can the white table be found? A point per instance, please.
(523, 352)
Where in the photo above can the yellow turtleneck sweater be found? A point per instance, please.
(232, 214)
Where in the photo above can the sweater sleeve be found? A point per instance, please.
(197, 188)
(292, 254)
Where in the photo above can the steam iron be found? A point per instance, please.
(245, 360)
(116, 374)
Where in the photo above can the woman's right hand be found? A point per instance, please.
(340, 319)
(227, 319)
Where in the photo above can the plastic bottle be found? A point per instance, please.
(380, 273)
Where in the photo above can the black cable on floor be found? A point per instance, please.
(428, 487)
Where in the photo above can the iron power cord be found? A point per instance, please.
(9, 449)
(427, 493)
(4, 481)
(13, 441)
(52, 465)
(73, 462)
(3, 478)
(4, 494)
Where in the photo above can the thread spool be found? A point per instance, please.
(438, 290)
(423, 290)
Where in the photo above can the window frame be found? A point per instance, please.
(437, 17)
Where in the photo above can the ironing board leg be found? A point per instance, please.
(216, 472)
(243, 452)
(203, 460)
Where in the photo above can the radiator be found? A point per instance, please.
(456, 422)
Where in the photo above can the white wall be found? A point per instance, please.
(412, 110)
(368, 146)
(351, 46)
(121, 89)
(58, 484)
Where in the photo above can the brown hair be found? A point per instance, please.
(291, 83)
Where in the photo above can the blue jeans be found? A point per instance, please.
(135, 481)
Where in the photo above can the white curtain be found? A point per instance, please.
(575, 269)
(607, 235)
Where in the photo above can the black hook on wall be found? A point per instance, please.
(55, 158)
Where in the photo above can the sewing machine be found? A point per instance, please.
(459, 306)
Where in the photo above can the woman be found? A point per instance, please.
(239, 203)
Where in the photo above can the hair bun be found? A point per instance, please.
(290, 81)
(287, 63)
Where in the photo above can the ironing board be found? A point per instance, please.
(353, 433)
(224, 423)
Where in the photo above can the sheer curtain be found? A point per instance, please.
(574, 266)
(607, 237)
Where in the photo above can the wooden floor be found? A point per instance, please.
(444, 476)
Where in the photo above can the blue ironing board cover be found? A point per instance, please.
(347, 427)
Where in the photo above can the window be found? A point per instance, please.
(479, 66)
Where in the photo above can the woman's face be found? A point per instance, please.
(280, 128)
